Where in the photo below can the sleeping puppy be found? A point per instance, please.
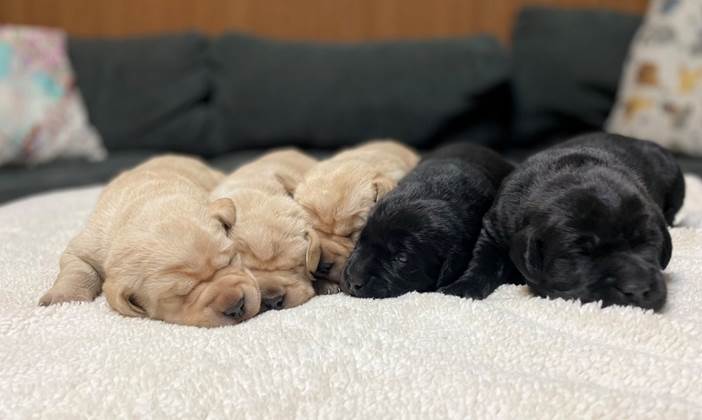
(420, 236)
(156, 249)
(273, 238)
(584, 220)
(338, 194)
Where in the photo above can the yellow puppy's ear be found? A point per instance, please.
(314, 251)
(224, 211)
(382, 186)
(121, 301)
(288, 182)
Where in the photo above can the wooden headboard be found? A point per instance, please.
(346, 20)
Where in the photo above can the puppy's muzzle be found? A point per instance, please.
(237, 310)
(636, 281)
(355, 284)
(275, 302)
(647, 290)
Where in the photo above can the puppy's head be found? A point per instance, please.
(401, 248)
(178, 270)
(594, 250)
(278, 246)
(337, 201)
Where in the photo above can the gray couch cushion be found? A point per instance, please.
(270, 93)
(567, 65)
(146, 93)
(16, 182)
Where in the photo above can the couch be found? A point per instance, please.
(426, 355)
(229, 98)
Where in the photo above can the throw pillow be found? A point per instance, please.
(42, 116)
(660, 96)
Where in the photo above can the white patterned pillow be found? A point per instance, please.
(42, 116)
(660, 95)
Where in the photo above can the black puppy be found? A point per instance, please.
(420, 236)
(583, 220)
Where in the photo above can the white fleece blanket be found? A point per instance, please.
(417, 356)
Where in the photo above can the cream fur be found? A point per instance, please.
(339, 192)
(272, 234)
(153, 248)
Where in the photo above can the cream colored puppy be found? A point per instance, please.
(338, 194)
(273, 237)
(156, 250)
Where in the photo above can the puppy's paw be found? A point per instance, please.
(326, 287)
(466, 289)
(54, 296)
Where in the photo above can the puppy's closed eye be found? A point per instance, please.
(400, 258)
(135, 305)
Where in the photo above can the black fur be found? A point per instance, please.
(420, 235)
(585, 220)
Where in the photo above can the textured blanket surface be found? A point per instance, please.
(416, 356)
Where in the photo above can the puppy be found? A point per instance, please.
(420, 236)
(338, 194)
(583, 220)
(156, 249)
(272, 235)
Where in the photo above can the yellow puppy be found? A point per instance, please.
(339, 192)
(272, 234)
(156, 250)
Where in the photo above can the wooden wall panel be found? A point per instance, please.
(346, 20)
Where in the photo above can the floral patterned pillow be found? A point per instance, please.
(42, 115)
(660, 95)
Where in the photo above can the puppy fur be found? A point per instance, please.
(156, 250)
(420, 236)
(583, 220)
(338, 194)
(273, 237)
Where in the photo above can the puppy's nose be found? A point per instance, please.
(647, 294)
(236, 310)
(354, 283)
(273, 302)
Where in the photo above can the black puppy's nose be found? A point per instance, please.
(237, 309)
(648, 295)
(273, 302)
(354, 283)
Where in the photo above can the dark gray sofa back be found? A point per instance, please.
(269, 93)
(146, 93)
(189, 94)
(567, 65)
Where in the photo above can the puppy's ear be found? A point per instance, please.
(526, 251)
(452, 268)
(666, 246)
(382, 185)
(224, 211)
(288, 182)
(314, 252)
(120, 300)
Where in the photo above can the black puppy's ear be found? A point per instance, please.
(526, 251)
(454, 265)
(666, 246)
